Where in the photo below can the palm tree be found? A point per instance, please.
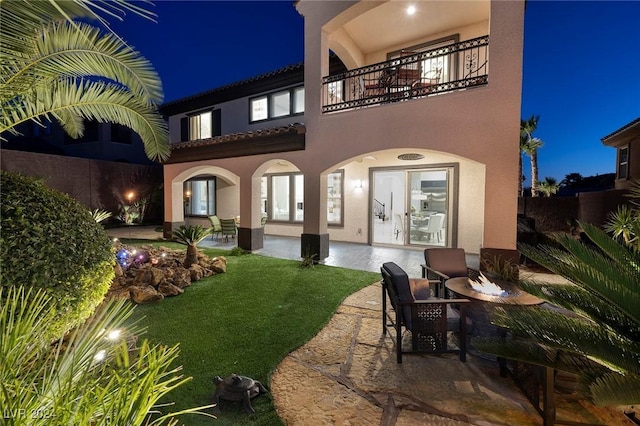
(549, 186)
(625, 222)
(57, 68)
(191, 236)
(598, 339)
(530, 145)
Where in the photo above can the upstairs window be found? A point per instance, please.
(623, 162)
(201, 125)
(279, 104)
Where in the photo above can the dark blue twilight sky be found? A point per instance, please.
(581, 64)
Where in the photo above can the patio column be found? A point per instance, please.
(250, 231)
(315, 238)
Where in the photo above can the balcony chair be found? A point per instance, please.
(228, 228)
(408, 74)
(425, 85)
(378, 85)
(444, 263)
(216, 228)
(429, 319)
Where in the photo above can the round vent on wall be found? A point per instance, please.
(410, 156)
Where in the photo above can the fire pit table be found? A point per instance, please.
(483, 295)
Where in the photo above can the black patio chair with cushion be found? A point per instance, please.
(429, 319)
(444, 263)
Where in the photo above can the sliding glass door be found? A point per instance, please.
(411, 207)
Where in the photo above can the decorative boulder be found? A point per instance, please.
(219, 264)
(181, 277)
(168, 289)
(196, 272)
(144, 294)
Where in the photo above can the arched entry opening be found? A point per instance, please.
(198, 192)
(389, 198)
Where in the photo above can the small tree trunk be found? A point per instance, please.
(192, 256)
(534, 174)
(520, 181)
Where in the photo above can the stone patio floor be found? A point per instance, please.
(348, 375)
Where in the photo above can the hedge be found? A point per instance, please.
(49, 240)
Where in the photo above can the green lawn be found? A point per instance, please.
(245, 321)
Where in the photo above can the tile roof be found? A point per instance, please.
(622, 129)
(296, 128)
(235, 85)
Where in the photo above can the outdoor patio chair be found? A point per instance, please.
(429, 319)
(444, 263)
(263, 222)
(228, 228)
(216, 228)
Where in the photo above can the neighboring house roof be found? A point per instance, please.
(623, 135)
(264, 141)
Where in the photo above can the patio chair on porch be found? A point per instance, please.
(216, 228)
(429, 319)
(444, 263)
(228, 228)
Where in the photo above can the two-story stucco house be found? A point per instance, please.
(401, 129)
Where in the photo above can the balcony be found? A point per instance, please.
(410, 75)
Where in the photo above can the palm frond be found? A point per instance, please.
(615, 389)
(69, 98)
(570, 334)
(79, 51)
(190, 234)
(588, 267)
(586, 304)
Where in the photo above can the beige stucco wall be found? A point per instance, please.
(481, 124)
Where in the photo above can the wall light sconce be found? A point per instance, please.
(358, 184)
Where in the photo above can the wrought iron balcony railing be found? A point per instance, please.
(411, 75)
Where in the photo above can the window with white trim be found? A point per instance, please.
(623, 162)
(200, 126)
(279, 104)
(283, 197)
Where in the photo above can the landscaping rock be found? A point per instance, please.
(168, 289)
(145, 294)
(181, 277)
(219, 264)
(196, 272)
(156, 272)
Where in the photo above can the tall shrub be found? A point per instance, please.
(48, 240)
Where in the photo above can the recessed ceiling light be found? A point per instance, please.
(410, 156)
(411, 10)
